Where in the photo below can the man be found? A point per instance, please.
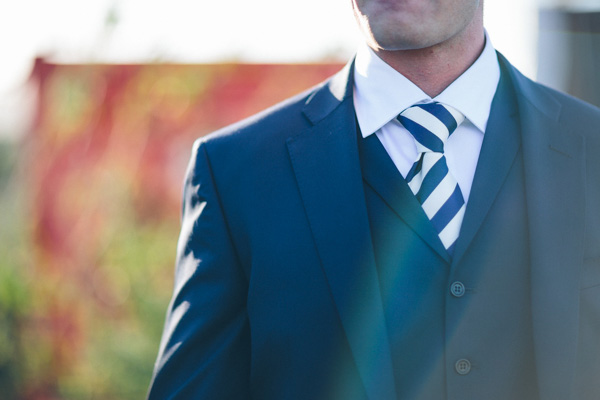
(329, 250)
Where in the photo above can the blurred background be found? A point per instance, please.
(100, 102)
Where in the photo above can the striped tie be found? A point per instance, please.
(429, 179)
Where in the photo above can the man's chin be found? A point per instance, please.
(401, 44)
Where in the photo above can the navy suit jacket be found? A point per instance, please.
(276, 291)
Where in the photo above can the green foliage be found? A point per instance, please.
(14, 291)
(108, 314)
(129, 288)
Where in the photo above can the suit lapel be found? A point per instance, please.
(382, 175)
(554, 184)
(326, 165)
(500, 146)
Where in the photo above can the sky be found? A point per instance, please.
(200, 31)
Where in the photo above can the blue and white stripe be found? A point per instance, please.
(429, 178)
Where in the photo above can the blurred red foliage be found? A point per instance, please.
(104, 166)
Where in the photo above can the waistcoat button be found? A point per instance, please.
(463, 366)
(457, 289)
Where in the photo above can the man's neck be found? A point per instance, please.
(434, 68)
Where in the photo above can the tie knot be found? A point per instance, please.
(431, 124)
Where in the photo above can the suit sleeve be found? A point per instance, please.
(205, 350)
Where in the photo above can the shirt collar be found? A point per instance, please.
(381, 93)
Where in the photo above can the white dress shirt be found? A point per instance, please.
(381, 93)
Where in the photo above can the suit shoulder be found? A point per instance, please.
(260, 138)
(573, 108)
(288, 118)
(281, 119)
(574, 115)
(573, 112)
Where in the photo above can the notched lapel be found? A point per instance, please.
(326, 165)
